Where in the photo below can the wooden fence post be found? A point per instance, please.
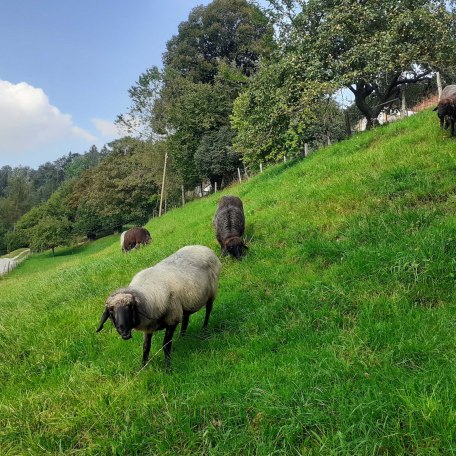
(261, 167)
(239, 175)
(183, 195)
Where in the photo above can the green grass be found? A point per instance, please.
(14, 253)
(335, 335)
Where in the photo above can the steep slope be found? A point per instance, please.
(335, 335)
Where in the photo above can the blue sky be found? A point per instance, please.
(66, 67)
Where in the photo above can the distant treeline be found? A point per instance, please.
(116, 186)
(22, 188)
(239, 86)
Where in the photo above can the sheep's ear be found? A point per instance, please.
(104, 317)
(435, 109)
(134, 300)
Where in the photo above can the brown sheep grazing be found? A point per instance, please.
(229, 223)
(134, 237)
(446, 109)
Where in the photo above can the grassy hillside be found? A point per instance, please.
(14, 253)
(335, 335)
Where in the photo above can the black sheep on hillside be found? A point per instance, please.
(229, 223)
(446, 109)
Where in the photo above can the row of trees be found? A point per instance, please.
(241, 84)
(23, 188)
(189, 102)
(122, 188)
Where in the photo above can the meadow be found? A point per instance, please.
(335, 335)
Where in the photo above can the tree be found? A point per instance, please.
(5, 173)
(19, 193)
(79, 163)
(230, 31)
(22, 188)
(49, 233)
(281, 110)
(200, 111)
(139, 120)
(370, 47)
(20, 236)
(216, 158)
(206, 65)
(46, 225)
(123, 189)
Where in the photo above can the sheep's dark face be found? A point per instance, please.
(445, 111)
(121, 310)
(235, 251)
(236, 248)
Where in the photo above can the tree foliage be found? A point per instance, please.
(46, 225)
(215, 157)
(370, 47)
(206, 65)
(225, 31)
(22, 188)
(140, 118)
(281, 110)
(123, 189)
(49, 233)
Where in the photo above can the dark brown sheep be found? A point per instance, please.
(134, 237)
(229, 223)
(446, 109)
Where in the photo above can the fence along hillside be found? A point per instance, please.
(8, 264)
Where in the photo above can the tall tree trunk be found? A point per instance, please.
(363, 89)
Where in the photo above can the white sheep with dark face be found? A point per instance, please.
(164, 295)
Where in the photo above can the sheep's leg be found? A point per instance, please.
(146, 348)
(208, 312)
(167, 342)
(185, 319)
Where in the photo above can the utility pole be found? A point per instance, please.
(163, 185)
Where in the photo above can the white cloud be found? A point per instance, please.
(106, 128)
(28, 121)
